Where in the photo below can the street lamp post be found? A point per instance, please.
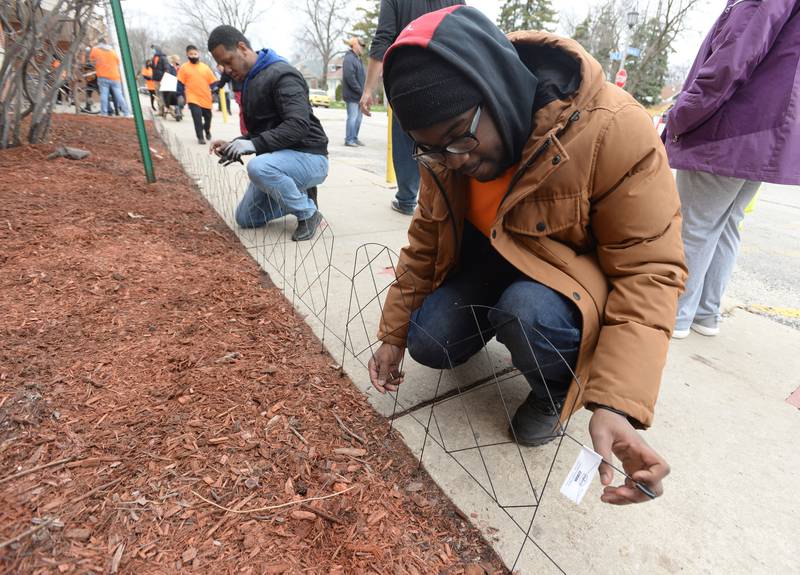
(631, 19)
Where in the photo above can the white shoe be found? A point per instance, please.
(680, 333)
(704, 330)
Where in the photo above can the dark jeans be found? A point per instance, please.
(520, 312)
(201, 118)
(405, 167)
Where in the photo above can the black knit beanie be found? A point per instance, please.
(424, 89)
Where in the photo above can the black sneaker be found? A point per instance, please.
(208, 135)
(307, 228)
(201, 141)
(400, 209)
(312, 195)
(536, 422)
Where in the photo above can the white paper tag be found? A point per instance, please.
(581, 475)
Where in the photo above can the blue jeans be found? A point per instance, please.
(116, 89)
(354, 116)
(278, 184)
(405, 167)
(443, 333)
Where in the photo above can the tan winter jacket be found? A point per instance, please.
(593, 213)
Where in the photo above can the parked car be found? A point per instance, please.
(319, 98)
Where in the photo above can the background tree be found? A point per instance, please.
(655, 37)
(647, 74)
(527, 15)
(140, 40)
(36, 37)
(176, 44)
(202, 16)
(323, 30)
(367, 24)
(600, 34)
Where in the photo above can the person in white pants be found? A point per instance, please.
(735, 124)
(712, 207)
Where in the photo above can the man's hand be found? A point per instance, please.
(366, 104)
(384, 367)
(216, 147)
(238, 148)
(612, 433)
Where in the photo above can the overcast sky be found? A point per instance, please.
(278, 27)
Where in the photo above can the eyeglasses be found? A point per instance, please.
(461, 145)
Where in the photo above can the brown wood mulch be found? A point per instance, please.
(160, 403)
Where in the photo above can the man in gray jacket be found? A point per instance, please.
(352, 87)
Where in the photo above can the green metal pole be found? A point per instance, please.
(130, 76)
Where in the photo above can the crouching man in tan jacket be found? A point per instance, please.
(546, 197)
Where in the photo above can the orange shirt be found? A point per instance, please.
(484, 198)
(147, 74)
(106, 63)
(56, 64)
(196, 79)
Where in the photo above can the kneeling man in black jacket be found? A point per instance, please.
(290, 145)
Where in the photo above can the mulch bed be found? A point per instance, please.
(151, 376)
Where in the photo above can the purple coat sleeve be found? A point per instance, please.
(739, 45)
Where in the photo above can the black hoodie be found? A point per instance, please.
(467, 39)
(160, 64)
(396, 15)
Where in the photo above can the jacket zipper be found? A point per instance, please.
(537, 154)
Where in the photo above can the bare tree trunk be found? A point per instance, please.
(49, 90)
(326, 21)
(205, 15)
(29, 81)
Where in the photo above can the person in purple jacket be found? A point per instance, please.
(735, 125)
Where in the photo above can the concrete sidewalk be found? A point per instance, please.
(722, 422)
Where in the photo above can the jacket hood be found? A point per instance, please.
(464, 37)
(266, 58)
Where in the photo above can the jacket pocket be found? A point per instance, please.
(543, 216)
